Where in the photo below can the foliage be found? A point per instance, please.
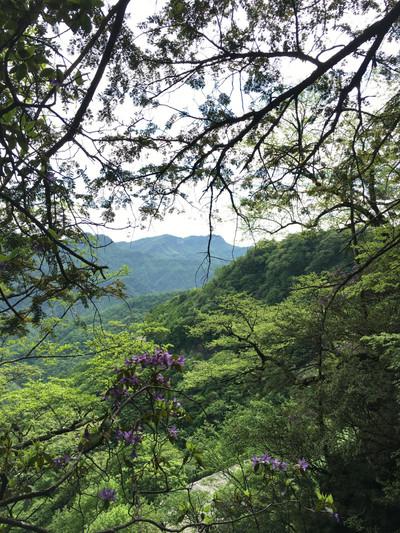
(266, 272)
(41, 243)
(288, 147)
(324, 354)
(287, 417)
(261, 440)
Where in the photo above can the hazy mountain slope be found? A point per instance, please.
(165, 263)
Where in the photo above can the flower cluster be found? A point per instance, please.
(276, 464)
(147, 374)
(160, 358)
(107, 495)
(129, 437)
(132, 381)
(158, 361)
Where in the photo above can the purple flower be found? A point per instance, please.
(159, 397)
(173, 432)
(137, 359)
(160, 358)
(60, 462)
(180, 361)
(162, 380)
(336, 517)
(130, 437)
(303, 464)
(276, 464)
(266, 459)
(115, 392)
(130, 380)
(167, 359)
(107, 495)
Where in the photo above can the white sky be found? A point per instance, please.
(192, 219)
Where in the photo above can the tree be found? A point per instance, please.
(253, 134)
(312, 146)
(328, 388)
(44, 99)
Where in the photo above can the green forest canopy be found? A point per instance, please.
(302, 151)
(290, 394)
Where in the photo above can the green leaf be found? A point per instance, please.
(208, 519)
(20, 71)
(79, 78)
(49, 73)
(329, 499)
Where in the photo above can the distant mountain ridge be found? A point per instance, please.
(165, 263)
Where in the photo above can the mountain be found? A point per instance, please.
(164, 263)
(266, 272)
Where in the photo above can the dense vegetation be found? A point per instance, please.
(267, 400)
(257, 406)
(266, 272)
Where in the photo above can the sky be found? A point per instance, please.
(192, 221)
(192, 218)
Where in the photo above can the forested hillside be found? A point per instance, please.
(266, 400)
(290, 404)
(267, 272)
